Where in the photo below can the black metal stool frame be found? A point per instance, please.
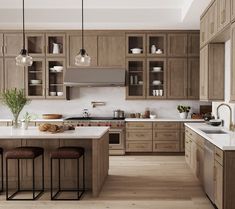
(33, 190)
(59, 191)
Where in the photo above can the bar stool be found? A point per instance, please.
(65, 153)
(1, 154)
(21, 153)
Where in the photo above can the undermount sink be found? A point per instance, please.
(213, 131)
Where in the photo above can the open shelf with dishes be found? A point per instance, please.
(35, 79)
(136, 78)
(55, 44)
(135, 45)
(55, 70)
(156, 78)
(35, 44)
(156, 45)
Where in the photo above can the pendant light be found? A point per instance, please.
(82, 58)
(23, 59)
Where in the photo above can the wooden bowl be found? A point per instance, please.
(51, 116)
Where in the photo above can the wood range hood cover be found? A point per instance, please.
(95, 77)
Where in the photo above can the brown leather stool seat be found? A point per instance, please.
(67, 153)
(24, 153)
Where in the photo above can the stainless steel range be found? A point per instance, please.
(116, 132)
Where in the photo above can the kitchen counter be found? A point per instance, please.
(95, 141)
(222, 141)
(34, 133)
(162, 120)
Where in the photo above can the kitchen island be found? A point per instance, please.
(93, 139)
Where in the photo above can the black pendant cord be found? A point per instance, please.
(23, 27)
(82, 27)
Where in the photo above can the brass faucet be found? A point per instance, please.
(231, 125)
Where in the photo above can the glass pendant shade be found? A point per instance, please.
(23, 59)
(82, 59)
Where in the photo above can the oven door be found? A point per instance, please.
(116, 139)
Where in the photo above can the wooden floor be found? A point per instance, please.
(136, 182)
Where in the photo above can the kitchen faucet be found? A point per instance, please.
(231, 125)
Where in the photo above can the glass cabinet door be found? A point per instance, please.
(156, 78)
(136, 78)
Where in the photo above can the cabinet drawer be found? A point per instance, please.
(187, 144)
(188, 157)
(166, 136)
(190, 133)
(166, 146)
(139, 125)
(219, 155)
(167, 126)
(139, 135)
(200, 141)
(139, 146)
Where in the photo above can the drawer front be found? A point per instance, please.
(166, 136)
(139, 125)
(166, 146)
(187, 144)
(139, 135)
(200, 141)
(167, 126)
(139, 146)
(190, 133)
(219, 156)
(188, 157)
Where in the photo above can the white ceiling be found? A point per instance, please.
(104, 14)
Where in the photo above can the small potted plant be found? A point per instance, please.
(15, 100)
(183, 110)
(26, 119)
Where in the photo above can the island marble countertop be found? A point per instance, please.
(34, 133)
(223, 141)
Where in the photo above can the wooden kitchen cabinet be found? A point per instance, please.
(212, 20)
(224, 11)
(2, 80)
(13, 43)
(193, 45)
(193, 78)
(218, 185)
(212, 66)
(135, 40)
(111, 51)
(158, 40)
(35, 44)
(177, 78)
(1, 45)
(55, 38)
(232, 96)
(14, 75)
(177, 45)
(232, 10)
(74, 43)
(204, 30)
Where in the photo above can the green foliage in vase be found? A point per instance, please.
(15, 100)
(182, 108)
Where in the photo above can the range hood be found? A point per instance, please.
(100, 77)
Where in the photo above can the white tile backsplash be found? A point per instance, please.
(114, 97)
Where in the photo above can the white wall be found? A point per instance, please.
(114, 98)
(224, 112)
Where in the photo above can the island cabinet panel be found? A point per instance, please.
(177, 45)
(48, 145)
(74, 43)
(218, 185)
(12, 167)
(177, 78)
(13, 43)
(111, 51)
(14, 75)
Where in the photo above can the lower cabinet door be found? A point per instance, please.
(166, 146)
(139, 146)
(218, 185)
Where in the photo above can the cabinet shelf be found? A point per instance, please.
(35, 71)
(57, 84)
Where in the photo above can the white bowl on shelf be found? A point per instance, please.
(140, 82)
(157, 69)
(60, 93)
(52, 93)
(58, 68)
(153, 116)
(52, 69)
(136, 51)
(35, 82)
(157, 82)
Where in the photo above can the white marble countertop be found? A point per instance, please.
(222, 141)
(34, 133)
(162, 120)
(5, 120)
